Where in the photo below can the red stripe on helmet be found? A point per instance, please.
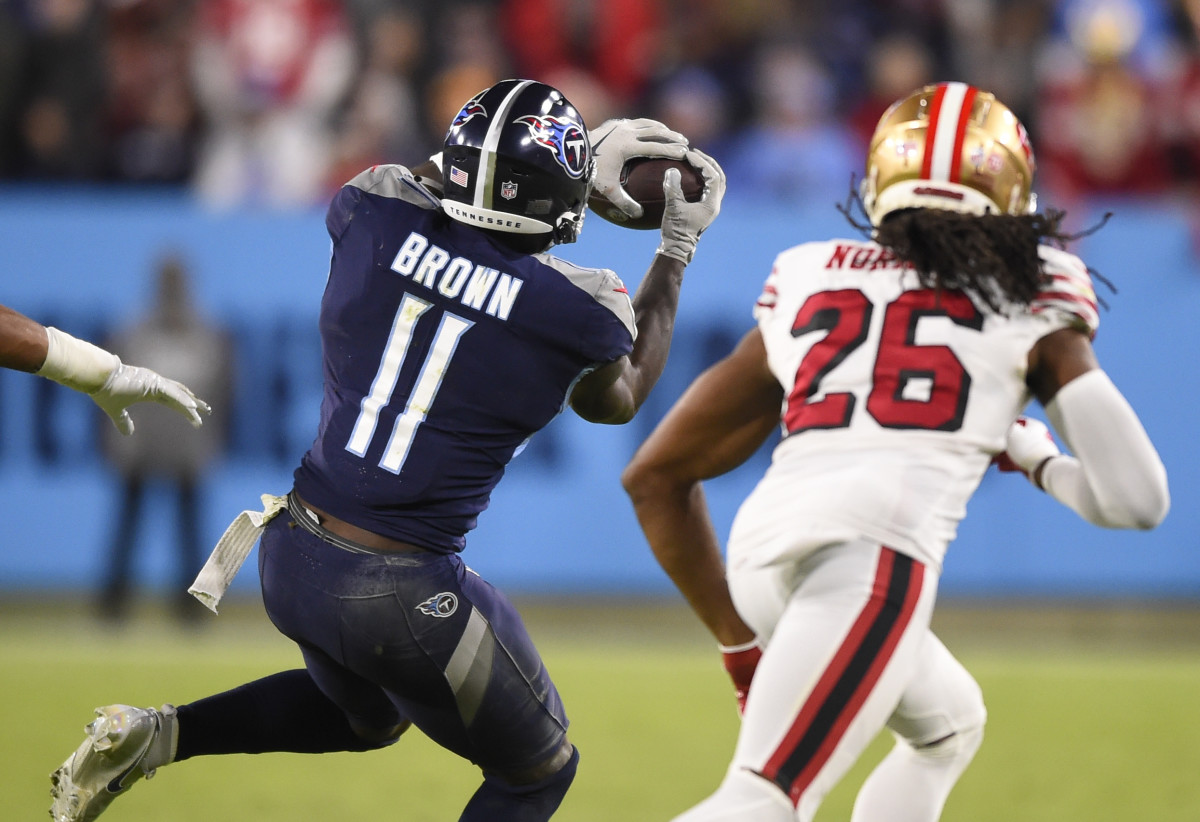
(960, 133)
(935, 111)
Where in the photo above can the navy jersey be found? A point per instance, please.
(443, 352)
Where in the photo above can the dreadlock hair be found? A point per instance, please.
(994, 256)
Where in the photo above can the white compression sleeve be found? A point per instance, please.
(1116, 478)
(76, 363)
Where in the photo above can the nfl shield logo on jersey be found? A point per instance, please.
(508, 190)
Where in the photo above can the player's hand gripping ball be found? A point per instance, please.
(642, 179)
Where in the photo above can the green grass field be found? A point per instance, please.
(1095, 715)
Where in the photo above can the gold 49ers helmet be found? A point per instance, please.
(949, 146)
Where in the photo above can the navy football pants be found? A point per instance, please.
(413, 636)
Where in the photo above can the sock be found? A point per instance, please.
(162, 749)
(281, 712)
(535, 802)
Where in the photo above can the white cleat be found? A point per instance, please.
(110, 760)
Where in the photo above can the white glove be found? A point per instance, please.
(616, 141)
(684, 222)
(1027, 445)
(128, 384)
(110, 383)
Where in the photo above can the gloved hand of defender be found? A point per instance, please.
(113, 386)
(1028, 444)
(740, 663)
(128, 384)
(614, 142)
(684, 222)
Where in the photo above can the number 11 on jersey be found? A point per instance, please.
(423, 392)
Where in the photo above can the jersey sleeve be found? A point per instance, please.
(1068, 297)
(391, 181)
(611, 293)
(612, 329)
(764, 306)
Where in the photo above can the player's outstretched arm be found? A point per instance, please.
(614, 393)
(22, 341)
(1116, 478)
(718, 423)
(27, 345)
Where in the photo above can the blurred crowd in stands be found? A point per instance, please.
(276, 103)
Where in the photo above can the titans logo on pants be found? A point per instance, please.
(439, 605)
(563, 137)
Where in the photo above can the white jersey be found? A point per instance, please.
(896, 398)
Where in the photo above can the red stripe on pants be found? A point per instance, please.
(850, 677)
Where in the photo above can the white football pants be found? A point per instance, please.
(848, 650)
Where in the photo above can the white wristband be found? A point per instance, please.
(737, 649)
(76, 363)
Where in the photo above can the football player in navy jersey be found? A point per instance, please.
(27, 345)
(896, 367)
(449, 338)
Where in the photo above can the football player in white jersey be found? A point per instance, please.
(898, 367)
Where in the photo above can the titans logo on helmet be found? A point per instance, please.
(439, 605)
(470, 110)
(563, 137)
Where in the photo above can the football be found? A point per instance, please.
(642, 178)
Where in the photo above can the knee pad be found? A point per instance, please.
(962, 743)
(498, 798)
(944, 703)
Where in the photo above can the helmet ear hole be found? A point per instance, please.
(517, 160)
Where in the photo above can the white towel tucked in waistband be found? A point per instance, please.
(232, 549)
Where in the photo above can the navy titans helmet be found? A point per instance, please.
(517, 160)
